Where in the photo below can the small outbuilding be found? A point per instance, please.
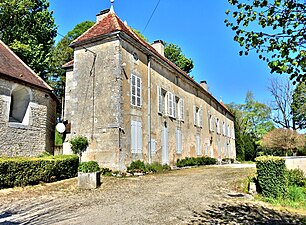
(27, 108)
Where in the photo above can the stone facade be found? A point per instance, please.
(27, 109)
(179, 116)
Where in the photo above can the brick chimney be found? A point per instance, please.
(101, 15)
(159, 46)
(203, 83)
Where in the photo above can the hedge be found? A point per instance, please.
(200, 161)
(21, 171)
(272, 176)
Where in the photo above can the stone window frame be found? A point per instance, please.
(13, 122)
(136, 97)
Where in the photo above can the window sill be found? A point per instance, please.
(17, 125)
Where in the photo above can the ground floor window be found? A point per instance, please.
(136, 137)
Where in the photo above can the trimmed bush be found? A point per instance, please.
(200, 161)
(18, 171)
(89, 167)
(137, 166)
(272, 176)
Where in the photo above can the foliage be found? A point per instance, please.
(19, 171)
(140, 35)
(58, 141)
(298, 105)
(140, 166)
(106, 171)
(61, 54)
(44, 154)
(283, 139)
(272, 176)
(79, 144)
(228, 160)
(275, 30)
(200, 161)
(28, 28)
(250, 148)
(174, 53)
(89, 167)
(296, 177)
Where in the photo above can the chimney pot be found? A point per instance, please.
(159, 46)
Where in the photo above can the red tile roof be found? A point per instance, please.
(112, 23)
(12, 66)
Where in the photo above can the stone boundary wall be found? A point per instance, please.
(296, 162)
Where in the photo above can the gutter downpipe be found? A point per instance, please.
(149, 110)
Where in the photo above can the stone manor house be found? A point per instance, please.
(27, 108)
(133, 103)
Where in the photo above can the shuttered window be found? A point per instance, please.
(171, 105)
(195, 116)
(198, 144)
(198, 117)
(200, 114)
(135, 90)
(179, 141)
(160, 100)
(181, 109)
(136, 137)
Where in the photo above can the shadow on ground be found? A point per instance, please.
(245, 213)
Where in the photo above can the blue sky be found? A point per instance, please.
(197, 27)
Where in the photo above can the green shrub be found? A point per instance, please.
(44, 154)
(271, 175)
(106, 171)
(296, 177)
(139, 166)
(191, 161)
(20, 171)
(89, 167)
(228, 160)
(79, 145)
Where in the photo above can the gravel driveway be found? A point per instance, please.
(189, 196)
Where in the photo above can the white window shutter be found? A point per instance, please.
(195, 115)
(139, 137)
(174, 105)
(200, 117)
(182, 109)
(133, 136)
(160, 100)
(170, 104)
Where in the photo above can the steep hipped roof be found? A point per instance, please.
(111, 23)
(13, 67)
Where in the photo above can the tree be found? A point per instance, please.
(275, 29)
(283, 139)
(281, 90)
(174, 53)
(61, 54)
(256, 117)
(298, 105)
(28, 28)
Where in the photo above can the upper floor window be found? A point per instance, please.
(211, 123)
(180, 111)
(167, 103)
(136, 90)
(218, 126)
(223, 128)
(198, 121)
(19, 107)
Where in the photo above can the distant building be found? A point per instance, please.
(133, 103)
(27, 108)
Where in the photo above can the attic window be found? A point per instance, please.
(20, 99)
(135, 56)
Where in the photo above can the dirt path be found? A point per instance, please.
(191, 196)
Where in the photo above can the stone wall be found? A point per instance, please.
(37, 134)
(296, 162)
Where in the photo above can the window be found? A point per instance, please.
(19, 107)
(211, 123)
(136, 137)
(233, 132)
(198, 144)
(218, 126)
(136, 91)
(198, 118)
(223, 128)
(161, 100)
(228, 131)
(178, 141)
(180, 110)
(171, 105)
